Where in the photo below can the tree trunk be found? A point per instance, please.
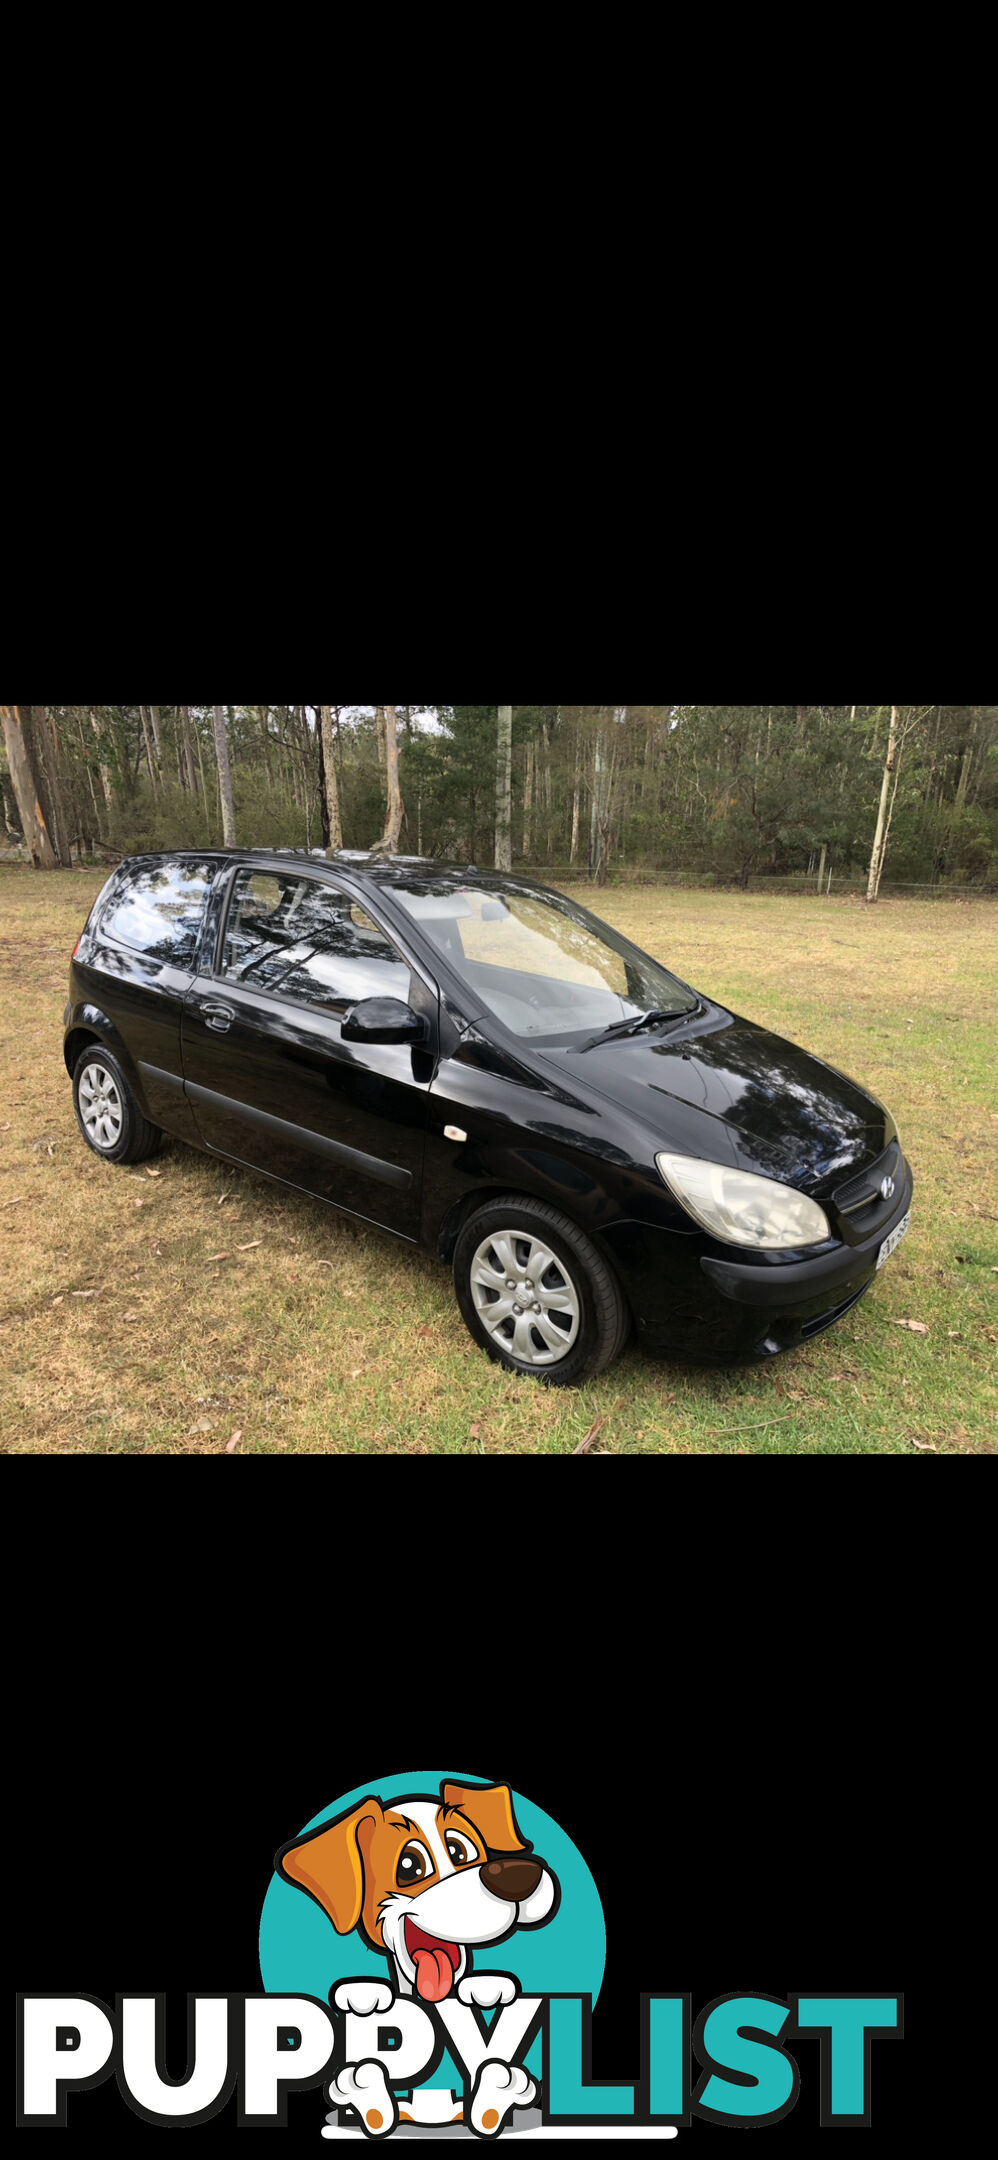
(204, 783)
(97, 825)
(9, 807)
(150, 758)
(50, 760)
(192, 778)
(961, 785)
(879, 840)
(575, 800)
(224, 777)
(603, 774)
(379, 715)
(504, 769)
(157, 734)
(528, 801)
(821, 865)
(393, 821)
(335, 839)
(104, 770)
(28, 787)
(323, 797)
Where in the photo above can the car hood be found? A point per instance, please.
(719, 1087)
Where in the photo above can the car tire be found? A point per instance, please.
(106, 1110)
(572, 1292)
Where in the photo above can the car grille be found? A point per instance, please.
(860, 1204)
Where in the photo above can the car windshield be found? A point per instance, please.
(545, 967)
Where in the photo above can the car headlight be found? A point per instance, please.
(740, 1208)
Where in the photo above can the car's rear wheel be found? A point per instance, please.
(106, 1110)
(536, 1294)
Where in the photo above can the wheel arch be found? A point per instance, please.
(452, 1224)
(93, 1026)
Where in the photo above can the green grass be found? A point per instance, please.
(121, 1333)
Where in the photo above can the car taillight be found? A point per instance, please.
(76, 947)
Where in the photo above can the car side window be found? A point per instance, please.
(301, 939)
(160, 912)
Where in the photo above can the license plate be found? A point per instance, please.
(891, 1243)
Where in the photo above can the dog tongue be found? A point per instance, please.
(434, 1973)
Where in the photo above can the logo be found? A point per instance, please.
(887, 1188)
(431, 1949)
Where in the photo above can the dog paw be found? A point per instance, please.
(499, 2086)
(486, 1989)
(363, 1997)
(363, 2086)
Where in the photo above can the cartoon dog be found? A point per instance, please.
(427, 1881)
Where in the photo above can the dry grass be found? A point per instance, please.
(122, 1332)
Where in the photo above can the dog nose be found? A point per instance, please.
(511, 1875)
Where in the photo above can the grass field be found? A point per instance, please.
(162, 1313)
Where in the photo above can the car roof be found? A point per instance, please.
(382, 870)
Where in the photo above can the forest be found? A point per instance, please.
(718, 794)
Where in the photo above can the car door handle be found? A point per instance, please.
(218, 1017)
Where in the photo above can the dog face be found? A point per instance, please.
(425, 1879)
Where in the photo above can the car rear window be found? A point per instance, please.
(159, 912)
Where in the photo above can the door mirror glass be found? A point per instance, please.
(382, 1020)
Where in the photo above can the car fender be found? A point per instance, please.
(87, 1021)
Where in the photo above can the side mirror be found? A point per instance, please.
(382, 1020)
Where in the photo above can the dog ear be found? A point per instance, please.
(328, 1863)
(490, 1808)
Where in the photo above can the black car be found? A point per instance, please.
(478, 1065)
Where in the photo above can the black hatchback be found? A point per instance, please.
(478, 1065)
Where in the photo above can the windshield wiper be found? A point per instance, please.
(631, 1026)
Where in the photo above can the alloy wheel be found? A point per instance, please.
(100, 1105)
(525, 1296)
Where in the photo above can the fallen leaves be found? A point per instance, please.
(917, 1327)
(200, 1425)
(218, 1255)
(250, 1248)
(234, 1442)
(927, 1446)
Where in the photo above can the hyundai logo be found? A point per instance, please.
(887, 1189)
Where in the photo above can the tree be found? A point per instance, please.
(504, 798)
(332, 791)
(897, 736)
(393, 820)
(30, 789)
(224, 777)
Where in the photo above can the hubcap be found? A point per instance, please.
(100, 1106)
(525, 1296)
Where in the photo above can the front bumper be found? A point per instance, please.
(691, 1299)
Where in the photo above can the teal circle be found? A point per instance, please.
(301, 1953)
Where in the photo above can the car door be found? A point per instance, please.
(138, 966)
(270, 1079)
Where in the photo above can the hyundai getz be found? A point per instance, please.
(477, 1064)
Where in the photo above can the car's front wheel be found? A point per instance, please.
(106, 1110)
(536, 1293)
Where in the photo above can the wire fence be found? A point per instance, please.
(795, 883)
